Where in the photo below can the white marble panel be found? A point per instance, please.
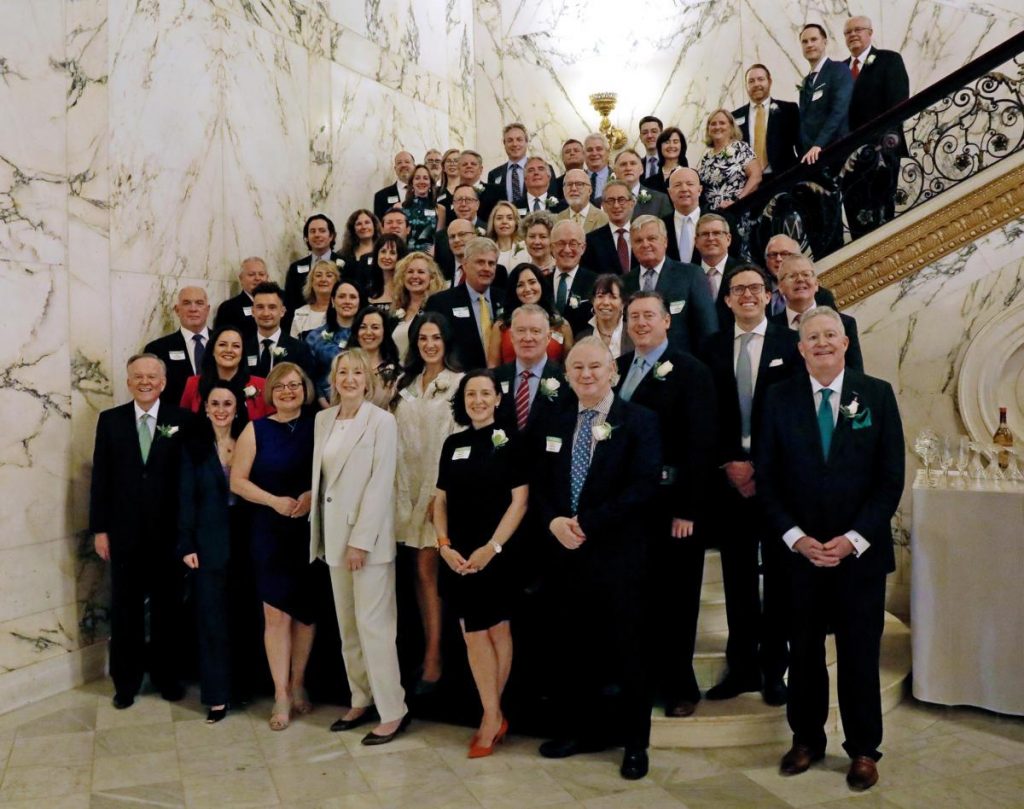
(306, 23)
(33, 189)
(32, 638)
(321, 155)
(350, 15)
(461, 75)
(36, 578)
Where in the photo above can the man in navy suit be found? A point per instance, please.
(830, 470)
(508, 181)
(824, 95)
(713, 240)
(684, 190)
(237, 311)
(650, 128)
(572, 158)
(319, 234)
(880, 82)
(608, 246)
(538, 196)
(597, 485)
(746, 359)
(778, 146)
(394, 194)
(681, 285)
(182, 350)
(271, 345)
(572, 281)
(133, 511)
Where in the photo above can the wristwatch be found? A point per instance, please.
(496, 546)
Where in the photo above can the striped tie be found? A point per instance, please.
(523, 400)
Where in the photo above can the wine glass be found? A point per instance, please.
(977, 467)
(925, 446)
(945, 456)
(1013, 472)
(963, 459)
(994, 472)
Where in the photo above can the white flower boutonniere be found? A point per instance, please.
(167, 430)
(851, 409)
(279, 352)
(339, 262)
(327, 335)
(602, 432)
(773, 107)
(859, 417)
(440, 385)
(574, 301)
(479, 188)
(551, 202)
(481, 232)
(249, 391)
(644, 196)
(399, 313)
(499, 439)
(869, 60)
(662, 369)
(549, 387)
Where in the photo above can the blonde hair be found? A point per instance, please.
(735, 134)
(307, 288)
(399, 294)
(358, 357)
(283, 369)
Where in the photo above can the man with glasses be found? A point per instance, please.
(745, 360)
(572, 158)
(713, 239)
(608, 247)
(572, 282)
(778, 248)
(577, 193)
(458, 235)
(465, 207)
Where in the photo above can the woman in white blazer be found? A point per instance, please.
(355, 447)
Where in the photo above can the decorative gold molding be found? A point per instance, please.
(905, 253)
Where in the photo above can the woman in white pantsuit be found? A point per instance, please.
(354, 455)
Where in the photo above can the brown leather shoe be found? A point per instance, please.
(863, 773)
(680, 709)
(799, 759)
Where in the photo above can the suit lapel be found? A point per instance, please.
(604, 451)
(352, 434)
(841, 433)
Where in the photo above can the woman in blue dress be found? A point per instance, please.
(327, 341)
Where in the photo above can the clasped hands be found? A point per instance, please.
(568, 532)
(824, 554)
(476, 562)
(292, 506)
(741, 477)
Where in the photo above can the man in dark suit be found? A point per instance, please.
(778, 249)
(572, 158)
(572, 281)
(597, 485)
(745, 361)
(394, 194)
(830, 464)
(182, 351)
(650, 128)
(880, 82)
(770, 125)
(680, 391)
(608, 246)
(472, 307)
(629, 169)
(319, 234)
(507, 181)
(271, 345)
(824, 96)
(465, 206)
(681, 285)
(684, 191)
(133, 515)
(539, 195)
(237, 311)
(713, 240)
(799, 284)
(595, 150)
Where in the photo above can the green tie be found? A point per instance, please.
(145, 437)
(825, 426)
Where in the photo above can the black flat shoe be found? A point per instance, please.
(347, 724)
(122, 701)
(634, 765)
(173, 693)
(775, 693)
(563, 748)
(214, 715)
(732, 687)
(371, 738)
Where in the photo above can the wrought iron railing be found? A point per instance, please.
(966, 122)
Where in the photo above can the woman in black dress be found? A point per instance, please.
(671, 148)
(480, 501)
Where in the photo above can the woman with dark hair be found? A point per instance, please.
(387, 252)
(211, 543)
(225, 361)
(425, 216)
(608, 299)
(424, 416)
(527, 284)
(326, 342)
(372, 336)
(480, 501)
(671, 148)
(417, 277)
(362, 229)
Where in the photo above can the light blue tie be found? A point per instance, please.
(581, 457)
(825, 425)
(745, 383)
(633, 378)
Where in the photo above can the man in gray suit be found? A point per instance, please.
(630, 169)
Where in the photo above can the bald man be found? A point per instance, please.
(182, 350)
(391, 195)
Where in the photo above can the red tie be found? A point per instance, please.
(460, 276)
(855, 68)
(623, 249)
(523, 400)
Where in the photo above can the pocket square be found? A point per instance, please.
(861, 421)
(775, 362)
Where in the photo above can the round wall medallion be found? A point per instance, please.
(992, 376)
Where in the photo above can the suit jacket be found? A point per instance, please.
(543, 409)
(684, 401)
(579, 292)
(352, 505)
(881, 85)
(615, 505)
(172, 350)
(203, 518)
(468, 350)
(443, 253)
(854, 358)
(824, 105)
(673, 243)
(496, 189)
(385, 199)
(779, 360)
(658, 205)
(595, 218)
(295, 350)
(722, 310)
(782, 138)
(136, 503)
(857, 488)
(689, 302)
(601, 255)
(237, 312)
(298, 272)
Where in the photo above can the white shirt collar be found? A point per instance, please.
(154, 411)
(537, 369)
(276, 337)
(521, 163)
(760, 328)
(720, 266)
(835, 385)
(615, 229)
(657, 268)
(863, 56)
(693, 216)
(571, 273)
(767, 104)
(584, 212)
(188, 335)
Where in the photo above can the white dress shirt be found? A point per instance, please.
(190, 345)
(154, 411)
(677, 223)
(714, 274)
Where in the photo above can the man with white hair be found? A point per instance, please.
(182, 350)
(595, 151)
(237, 311)
(779, 247)
(576, 187)
(572, 282)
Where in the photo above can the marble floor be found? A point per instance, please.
(74, 751)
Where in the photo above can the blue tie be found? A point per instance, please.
(633, 378)
(581, 457)
(825, 426)
(562, 295)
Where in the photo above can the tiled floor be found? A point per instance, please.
(75, 751)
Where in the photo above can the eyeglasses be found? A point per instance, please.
(575, 184)
(618, 200)
(289, 386)
(457, 200)
(805, 275)
(741, 289)
(849, 31)
(717, 234)
(573, 245)
(782, 254)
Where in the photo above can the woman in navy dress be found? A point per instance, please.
(479, 503)
(273, 471)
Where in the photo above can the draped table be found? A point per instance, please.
(967, 594)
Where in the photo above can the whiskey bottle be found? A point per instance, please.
(1003, 438)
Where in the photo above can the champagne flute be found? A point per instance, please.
(945, 453)
(963, 459)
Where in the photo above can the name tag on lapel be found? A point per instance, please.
(177, 355)
(675, 307)
(461, 453)
(392, 199)
(740, 121)
(302, 268)
(504, 386)
(558, 337)
(252, 360)
(523, 211)
(461, 311)
(247, 311)
(775, 362)
(553, 444)
(817, 95)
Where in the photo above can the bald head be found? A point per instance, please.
(192, 308)
(568, 241)
(684, 190)
(779, 247)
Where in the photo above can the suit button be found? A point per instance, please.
(328, 499)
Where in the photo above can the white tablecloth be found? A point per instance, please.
(967, 595)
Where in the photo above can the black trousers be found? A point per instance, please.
(210, 588)
(852, 601)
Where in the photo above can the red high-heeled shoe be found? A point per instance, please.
(477, 750)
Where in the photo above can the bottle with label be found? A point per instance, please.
(1003, 438)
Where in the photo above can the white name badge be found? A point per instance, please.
(676, 307)
(252, 360)
(407, 394)
(774, 362)
(177, 355)
(523, 211)
(557, 336)
(504, 386)
(247, 311)
(817, 94)
(553, 444)
(740, 121)
(461, 311)
(461, 453)
(430, 214)
(302, 268)
(392, 199)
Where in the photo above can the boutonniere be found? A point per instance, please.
(728, 151)
(479, 188)
(611, 176)
(602, 432)
(800, 87)
(339, 262)
(644, 196)
(551, 202)
(327, 335)
(869, 60)
(859, 417)
(574, 301)
(773, 107)
(440, 385)
(499, 439)
(279, 352)
(249, 391)
(662, 369)
(167, 430)
(549, 387)
(399, 313)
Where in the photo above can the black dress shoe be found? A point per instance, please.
(775, 693)
(172, 693)
(122, 701)
(634, 764)
(732, 687)
(347, 724)
(214, 715)
(371, 738)
(563, 748)
(680, 708)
